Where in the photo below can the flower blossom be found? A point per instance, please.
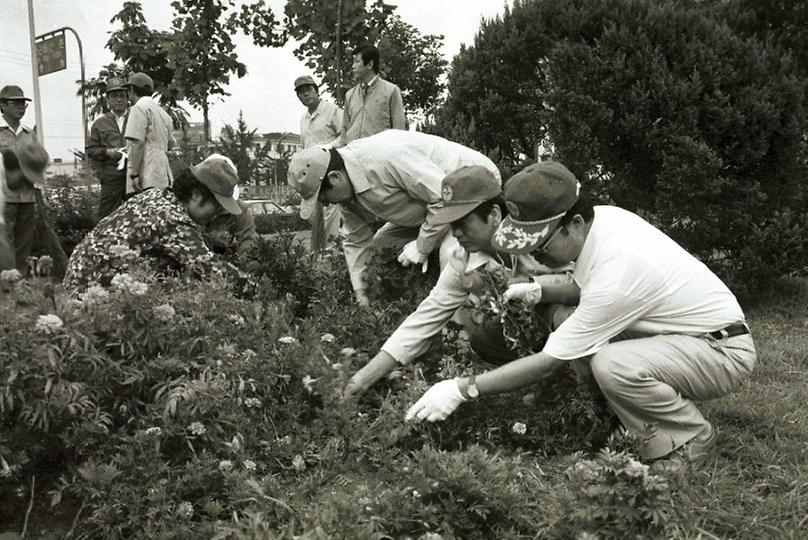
(164, 312)
(225, 465)
(299, 463)
(308, 382)
(197, 428)
(94, 294)
(348, 351)
(48, 323)
(519, 428)
(124, 282)
(10, 275)
(327, 338)
(236, 319)
(252, 402)
(249, 465)
(154, 430)
(185, 510)
(287, 340)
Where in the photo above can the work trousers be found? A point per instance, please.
(113, 191)
(20, 225)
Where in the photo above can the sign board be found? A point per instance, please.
(52, 54)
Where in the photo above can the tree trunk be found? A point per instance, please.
(206, 124)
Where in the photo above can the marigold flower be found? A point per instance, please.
(327, 338)
(225, 465)
(197, 428)
(185, 510)
(519, 428)
(164, 312)
(48, 323)
(249, 465)
(10, 275)
(287, 340)
(299, 463)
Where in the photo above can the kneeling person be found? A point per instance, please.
(159, 229)
(473, 207)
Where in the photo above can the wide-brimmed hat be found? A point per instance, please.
(305, 80)
(115, 83)
(537, 197)
(220, 175)
(12, 92)
(141, 80)
(307, 169)
(464, 190)
(32, 157)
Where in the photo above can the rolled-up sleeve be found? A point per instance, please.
(357, 246)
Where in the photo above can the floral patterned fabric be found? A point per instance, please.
(151, 231)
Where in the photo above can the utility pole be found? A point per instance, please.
(35, 71)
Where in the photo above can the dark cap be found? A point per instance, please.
(464, 190)
(219, 175)
(537, 197)
(115, 83)
(12, 92)
(305, 80)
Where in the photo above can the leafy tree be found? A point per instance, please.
(239, 144)
(329, 30)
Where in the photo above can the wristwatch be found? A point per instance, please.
(471, 389)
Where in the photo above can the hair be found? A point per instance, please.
(335, 164)
(185, 184)
(484, 209)
(582, 206)
(141, 91)
(368, 52)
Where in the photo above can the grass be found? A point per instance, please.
(757, 484)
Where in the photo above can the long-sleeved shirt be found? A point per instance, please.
(151, 230)
(460, 278)
(150, 125)
(372, 108)
(8, 137)
(107, 134)
(323, 126)
(396, 176)
(232, 233)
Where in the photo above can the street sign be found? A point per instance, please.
(51, 53)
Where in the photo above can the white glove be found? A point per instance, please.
(438, 402)
(411, 255)
(529, 293)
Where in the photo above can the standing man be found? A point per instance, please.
(106, 148)
(394, 176)
(657, 328)
(320, 124)
(148, 138)
(20, 211)
(374, 104)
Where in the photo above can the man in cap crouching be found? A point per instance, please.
(160, 230)
(656, 327)
(394, 176)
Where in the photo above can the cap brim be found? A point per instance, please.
(450, 213)
(308, 206)
(17, 99)
(520, 238)
(37, 177)
(228, 203)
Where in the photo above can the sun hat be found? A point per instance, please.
(32, 157)
(537, 197)
(307, 169)
(305, 80)
(464, 190)
(219, 175)
(12, 92)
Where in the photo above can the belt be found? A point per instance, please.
(737, 329)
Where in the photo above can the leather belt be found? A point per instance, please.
(737, 329)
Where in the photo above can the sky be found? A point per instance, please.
(265, 94)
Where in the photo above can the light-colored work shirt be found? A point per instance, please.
(634, 277)
(149, 123)
(323, 126)
(460, 278)
(8, 138)
(372, 108)
(396, 177)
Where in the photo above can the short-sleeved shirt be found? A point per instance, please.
(373, 108)
(8, 138)
(151, 231)
(149, 123)
(323, 126)
(634, 277)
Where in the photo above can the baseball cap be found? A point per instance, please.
(303, 81)
(464, 190)
(13, 92)
(32, 157)
(140, 80)
(307, 169)
(537, 197)
(219, 174)
(115, 83)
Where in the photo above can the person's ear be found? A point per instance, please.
(495, 215)
(334, 177)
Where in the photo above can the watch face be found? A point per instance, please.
(473, 392)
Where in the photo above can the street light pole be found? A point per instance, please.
(35, 71)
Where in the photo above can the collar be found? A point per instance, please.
(4, 124)
(371, 82)
(310, 114)
(356, 172)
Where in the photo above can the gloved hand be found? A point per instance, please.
(529, 293)
(411, 255)
(438, 402)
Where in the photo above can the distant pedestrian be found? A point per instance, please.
(374, 104)
(106, 148)
(320, 124)
(148, 136)
(20, 210)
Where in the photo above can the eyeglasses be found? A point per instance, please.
(547, 243)
(20, 102)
